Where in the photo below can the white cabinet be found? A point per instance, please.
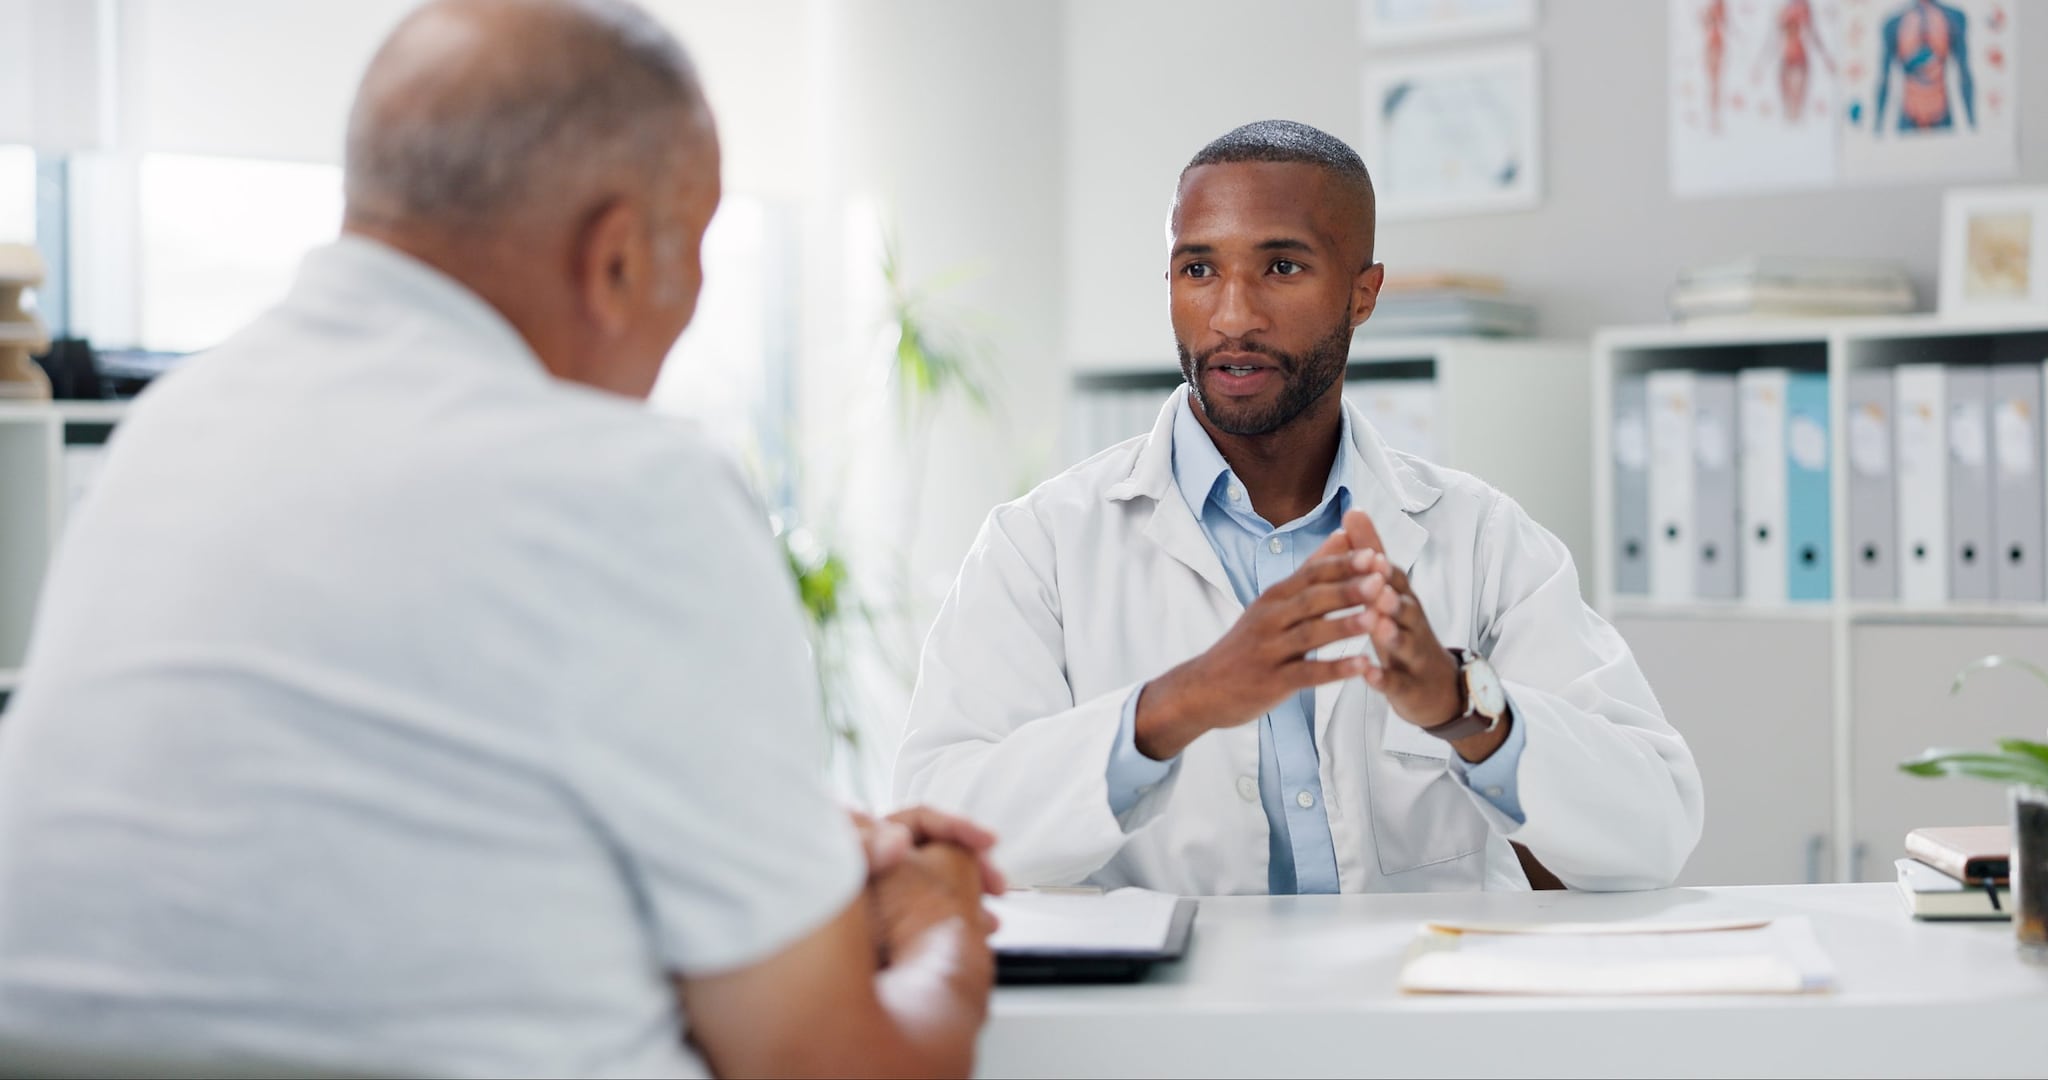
(1513, 413)
(1792, 706)
(48, 452)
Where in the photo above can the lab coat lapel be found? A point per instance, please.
(1171, 525)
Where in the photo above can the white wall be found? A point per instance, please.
(1149, 81)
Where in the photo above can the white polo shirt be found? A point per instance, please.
(395, 705)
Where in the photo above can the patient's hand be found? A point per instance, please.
(887, 840)
(934, 887)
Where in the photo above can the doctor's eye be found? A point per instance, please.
(1287, 267)
(1197, 270)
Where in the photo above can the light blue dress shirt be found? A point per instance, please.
(1256, 556)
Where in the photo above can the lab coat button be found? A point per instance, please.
(1248, 788)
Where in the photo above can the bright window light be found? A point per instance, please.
(729, 371)
(220, 240)
(17, 195)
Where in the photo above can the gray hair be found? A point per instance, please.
(475, 110)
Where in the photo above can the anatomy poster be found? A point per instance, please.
(1930, 89)
(1753, 95)
(1788, 94)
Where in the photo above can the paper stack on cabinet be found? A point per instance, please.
(1775, 287)
(1447, 304)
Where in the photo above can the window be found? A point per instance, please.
(729, 371)
(220, 240)
(17, 195)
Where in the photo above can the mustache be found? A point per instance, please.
(1284, 360)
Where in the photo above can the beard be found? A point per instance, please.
(1306, 377)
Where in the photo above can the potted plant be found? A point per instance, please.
(2023, 766)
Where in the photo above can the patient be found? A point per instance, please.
(408, 698)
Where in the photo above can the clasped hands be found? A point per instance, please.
(925, 868)
(1264, 658)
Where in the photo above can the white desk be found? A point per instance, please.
(1304, 986)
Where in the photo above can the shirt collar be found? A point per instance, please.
(355, 278)
(1200, 471)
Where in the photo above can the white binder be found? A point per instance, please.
(1671, 483)
(2016, 499)
(1921, 439)
(1970, 529)
(1762, 393)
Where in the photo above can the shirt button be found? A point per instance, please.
(1248, 788)
(1493, 793)
(1305, 800)
(1274, 545)
(1236, 493)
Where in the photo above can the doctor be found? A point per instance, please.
(1255, 650)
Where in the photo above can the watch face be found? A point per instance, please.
(1488, 699)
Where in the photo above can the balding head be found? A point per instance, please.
(554, 156)
(476, 112)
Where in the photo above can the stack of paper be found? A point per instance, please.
(1448, 304)
(1777, 287)
(1776, 956)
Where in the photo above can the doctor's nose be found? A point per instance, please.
(1235, 315)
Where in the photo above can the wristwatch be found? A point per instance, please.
(1479, 691)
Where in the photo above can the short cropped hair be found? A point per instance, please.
(465, 137)
(1293, 141)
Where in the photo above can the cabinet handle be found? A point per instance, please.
(1816, 850)
(1856, 860)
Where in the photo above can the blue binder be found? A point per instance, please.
(1809, 548)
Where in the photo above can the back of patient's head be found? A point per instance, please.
(481, 115)
(1293, 142)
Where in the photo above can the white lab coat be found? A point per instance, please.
(1101, 579)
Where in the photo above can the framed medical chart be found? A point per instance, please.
(1405, 22)
(1454, 133)
(1994, 251)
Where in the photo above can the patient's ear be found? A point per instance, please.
(613, 266)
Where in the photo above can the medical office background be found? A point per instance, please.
(943, 226)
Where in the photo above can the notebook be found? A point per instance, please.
(1931, 894)
(1755, 956)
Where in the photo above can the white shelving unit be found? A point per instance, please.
(1512, 412)
(33, 502)
(1799, 713)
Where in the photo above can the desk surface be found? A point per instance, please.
(1304, 986)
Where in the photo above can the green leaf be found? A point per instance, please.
(2034, 750)
(1992, 661)
(2003, 767)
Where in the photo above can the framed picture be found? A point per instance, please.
(1454, 134)
(1405, 22)
(1994, 251)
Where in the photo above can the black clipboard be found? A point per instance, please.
(1015, 967)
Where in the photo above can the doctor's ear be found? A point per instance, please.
(1365, 292)
(612, 263)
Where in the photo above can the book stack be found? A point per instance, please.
(1779, 287)
(1448, 305)
(1960, 872)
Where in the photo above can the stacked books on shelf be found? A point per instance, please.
(1958, 872)
(1448, 305)
(1782, 287)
